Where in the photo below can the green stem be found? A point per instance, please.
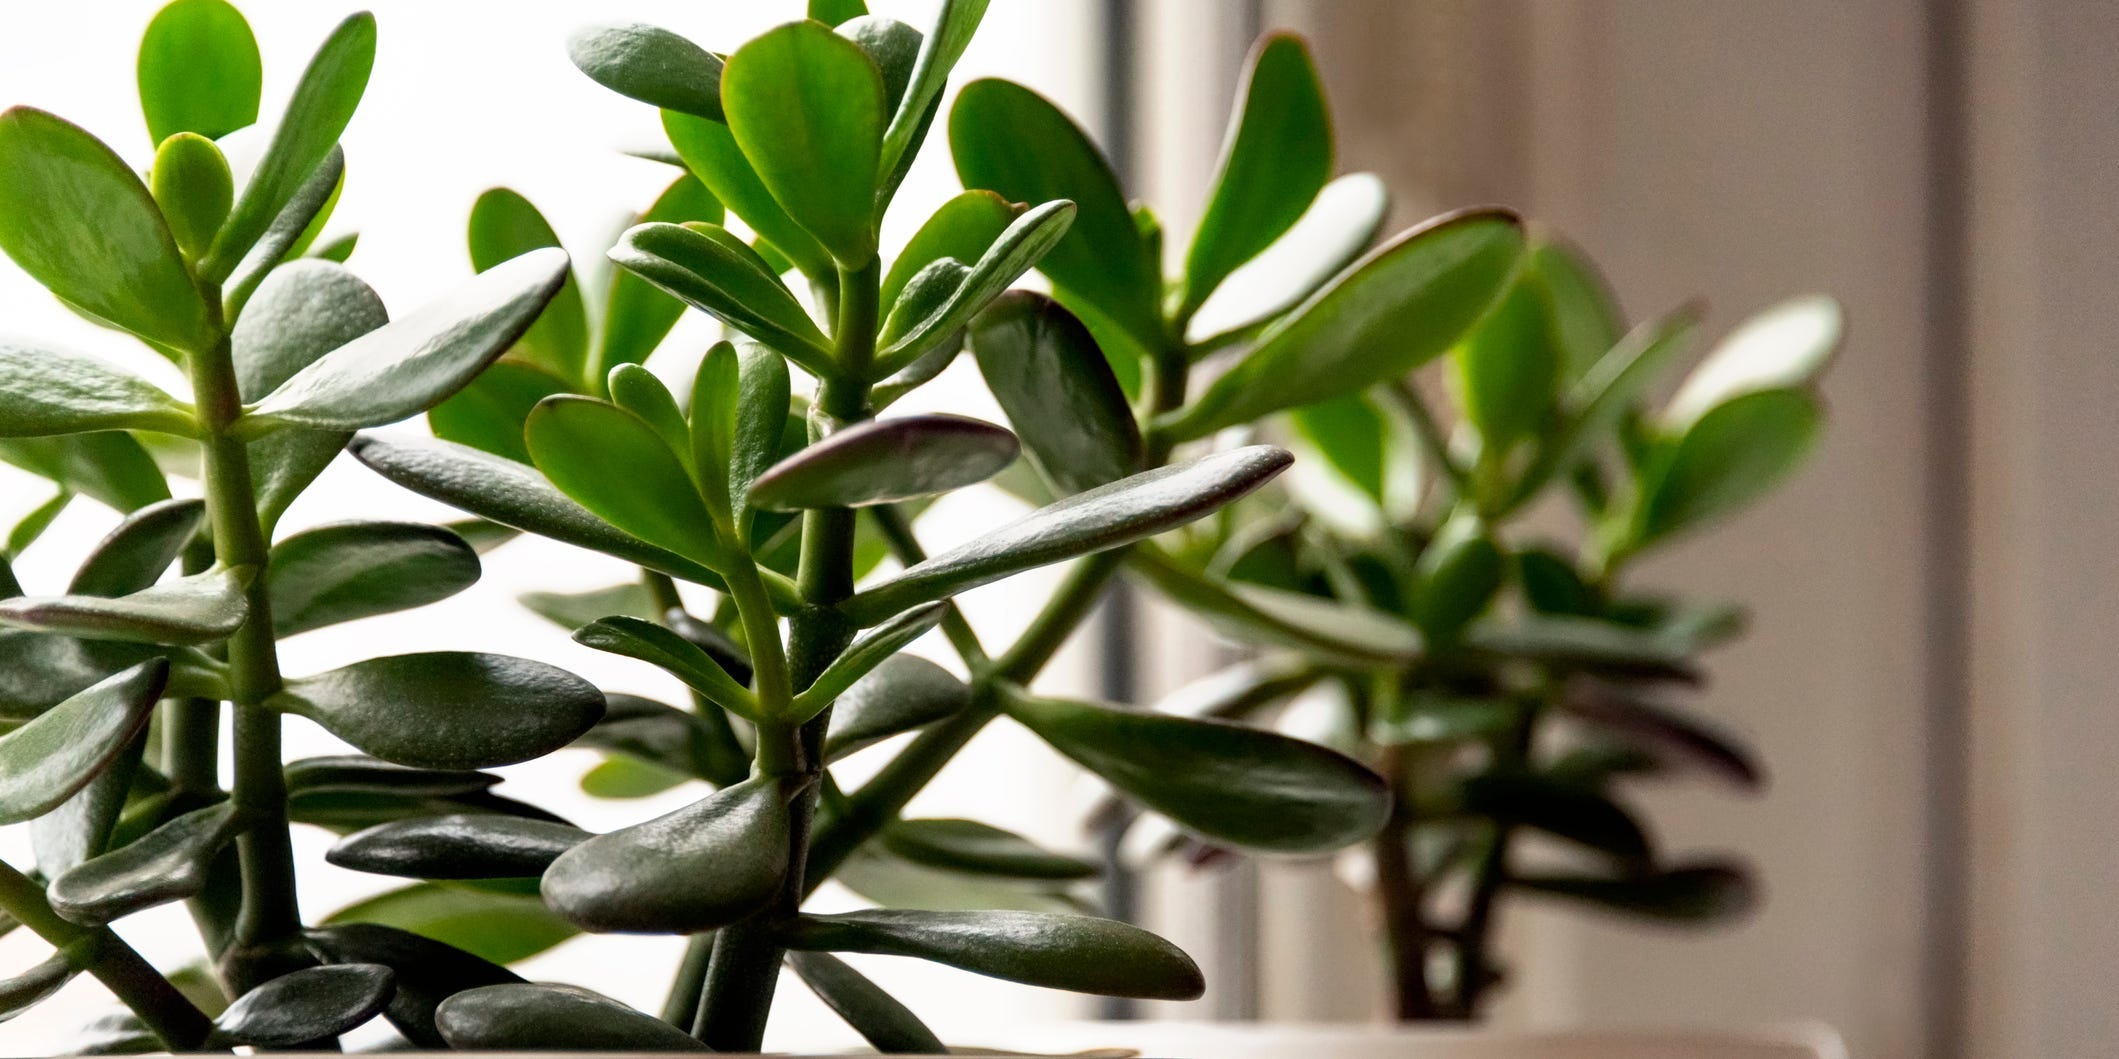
(1475, 936)
(1399, 900)
(681, 1008)
(100, 952)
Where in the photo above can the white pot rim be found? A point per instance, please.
(1183, 1039)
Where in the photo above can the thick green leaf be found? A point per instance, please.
(867, 651)
(481, 846)
(572, 610)
(322, 104)
(351, 570)
(876, 1015)
(447, 709)
(1338, 226)
(1699, 893)
(83, 826)
(311, 1004)
(1665, 731)
(137, 553)
(1399, 307)
(704, 866)
(21, 992)
(109, 466)
(886, 460)
(807, 107)
(672, 741)
(1058, 391)
(903, 693)
(1008, 139)
(553, 1017)
(1456, 578)
(1580, 308)
(1331, 629)
(302, 311)
(33, 525)
(962, 228)
(1020, 246)
(709, 150)
(297, 225)
(1785, 347)
(616, 465)
(352, 772)
(412, 364)
(192, 610)
(1079, 953)
(1506, 373)
(427, 971)
(651, 65)
(199, 70)
(1586, 643)
(939, 52)
(636, 316)
(45, 761)
(497, 926)
(1730, 457)
(44, 391)
(514, 495)
(739, 416)
(981, 849)
(191, 184)
(620, 777)
(169, 863)
(77, 218)
(1105, 517)
(1278, 157)
(1606, 392)
(1234, 785)
(489, 413)
(639, 391)
(1557, 807)
(504, 226)
(40, 669)
(658, 646)
(706, 267)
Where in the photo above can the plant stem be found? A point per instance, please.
(1399, 899)
(100, 952)
(1475, 936)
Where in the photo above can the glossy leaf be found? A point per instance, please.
(169, 863)
(639, 391)
(414, 363)
(488, 414)
(886, 460)
(1784, 347)
(1341, 223)
(457, 847)
(1007, 139)
(514, 495)
(1234, 785)
(447, 709)
(1026, 241)
(109, 466)
(426, 971)
(83, 826)
(43, 762)
(1507, 371)
(739, 416)
(702, 266)
(1333, 630)
(504, 226)
(19, 993)
(1696, 894)
(351, 570)
(1580, 308)
(878, 1017)
(651, 65)
(572, 610)
(891, 881)
(192, 610)
(322, 104)
(499, 926)
(620, 778)
(302, 311)
(981, 849)
(709, 150)
(1557, 807)
(352, 772)
(541, 1017)
(1605, 393)
(939, 52)
(47, 392)
(307, 1005)
(1060, 395)
(658, 646)
(141, 548)
(193, 188)
(299, 220)
(1277, 158)
(673, 741)
(905, 692)
(77, 218)
(617, 466)
(1399, 307)
(1105, 517)
(43, 669)
(199, 70)
(961, 228)
(807, 107)
(636, 316)
(867, 651)
(704, 866)
(1079, 953)
(1733, 455)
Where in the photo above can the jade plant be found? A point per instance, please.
(1444, 586)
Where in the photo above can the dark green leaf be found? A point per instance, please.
(21, 992)
(169, 863)
(1730, 457)
(962, 228)
(412, 364)
(1552, 585)
(701, 264)
(886, 460)
(1585, 643)
(981, 849)
(709, 150)
(1557, 807)
(193, 610)
(1021, 245)
(616, 465)
(939, 52)
(903, 693)
(338, 249)
(1456, 578)
(1278, 157)
(1337, 227)
(636, 316)
(427, 971)
(191, 184)
(318, 112)
(674, 742)
(504, 226)
(891, 881)
(352, 772)
(1105, 517)
(352, 570)
(46, 760)
(47, 392)
(1702, 893)
(704, 866)
(80, 222)
(658, 646)
(136, 553)
(1234, 785)
(307, 1005)
(489, 413)
(480, 846)
(876, 1015)
(891, 45)
(1399, 307)
(447, 709)
(553, 1017)
(1333, 630)
(497, 926)
(1667, 731)
(651, 65)
(834, 12)
(1008, 139)
(1058, 391)
(806, 105)
(83, 825)
(40, 669)
(1241, 689)
(867, 651)
(1079, 953)
(199, 70)
(109, 466)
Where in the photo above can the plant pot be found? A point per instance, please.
(1262, 1040)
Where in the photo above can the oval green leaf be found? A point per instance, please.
(637, 316)
(903, 693)
(504, 226)
(137, 553)
(616, 465)
(562, 1017)
(498, 922)
(675, 655)
(652, 65)
(459, 846)
(1341, 223)
(702, 266)
(447, 709)
(961, 228)
(489, 413)
(884, 461)
(198, 609)
(709, 150)
(199, 70)
(981, 849)
(867, 651)
(169, 863)
(1079, 953)
(878, 1017)
(1058, 391)
(427, 971)
(351, 570)
(806, 105)
(1785, 347)
(308, 1005)
(1731, 456)
(191, 183)
(43, 392)
(1706, 893)
(704, 866)
(44, 762)
(1019, 246)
